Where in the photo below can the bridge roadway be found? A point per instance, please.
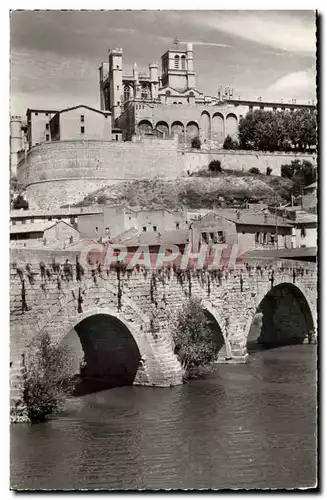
(131, 313)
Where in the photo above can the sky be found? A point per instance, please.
(55, 55)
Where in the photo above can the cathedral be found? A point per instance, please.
(168, 104)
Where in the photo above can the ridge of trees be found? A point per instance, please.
(262, 130)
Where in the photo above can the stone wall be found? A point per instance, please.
(242, 160)
(59, 173)
(145, 302)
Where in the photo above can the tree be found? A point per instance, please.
(229, 143)
(214, 166)
(196, 143)
(194, 341)
(46, 381)
(278, 130)
(20, 203)
(268, 170)
(301, 173)
(254, 170)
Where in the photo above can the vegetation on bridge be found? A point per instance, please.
(45, 384)
(195, 345)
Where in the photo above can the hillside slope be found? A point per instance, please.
(192, 192)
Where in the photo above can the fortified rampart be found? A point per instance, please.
(64, 172)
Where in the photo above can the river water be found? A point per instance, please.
(246, 426)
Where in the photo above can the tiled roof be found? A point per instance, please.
(253, 218)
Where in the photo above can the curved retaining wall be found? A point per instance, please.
(59, 173)
(64, 172)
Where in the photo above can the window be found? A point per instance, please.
(264, 238)
(82, 130)
(47, 126)
(36, 114)
(47, 137)
(183, 62)
(116, 137)
(14, 223)
(177, 61)
(154, 228)
(49, 218)
(32, 220)
(144, 229)
(303, 232)
(96, 229)
(221, 237)
(177, 225)
(82, 118)
(257, 237)
(23, 221)
(204, 237)
(46, 114)
(117, 87)
(118, 103)
(72, 220)
(117, 66)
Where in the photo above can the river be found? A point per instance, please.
(245, 426)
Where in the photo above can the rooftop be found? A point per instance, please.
(253, 218)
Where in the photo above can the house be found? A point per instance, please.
(43, 234)
(81, 123)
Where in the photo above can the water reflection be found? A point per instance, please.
(247, 426)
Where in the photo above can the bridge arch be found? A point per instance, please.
(284, 315)
(217, 324)
(108, 345)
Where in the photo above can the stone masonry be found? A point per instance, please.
(43, 298)
(64, 172)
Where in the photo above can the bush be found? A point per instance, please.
(46, 382)
(229, 143)
(268, 170)
(194, 342)
(254, 170)
(19, 203)
(215, 166)
(196, 143)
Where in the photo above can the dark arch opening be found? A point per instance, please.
(109, 356)
(282, 318)
(217, 336)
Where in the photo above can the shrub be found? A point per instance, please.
(214, 166)
(268, 170)
(229, 143)
(196, 143)
(194, 342)
(46, 382)
(254, 170)
(19, 203)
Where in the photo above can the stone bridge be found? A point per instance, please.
(121, 321)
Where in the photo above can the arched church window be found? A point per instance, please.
(144, 93)
(126, 93)
(183, 62)
(176, 61)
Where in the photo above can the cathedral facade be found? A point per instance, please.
(168, 104)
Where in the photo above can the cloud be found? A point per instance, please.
(295, 84)
(169, 41)
(287, 31)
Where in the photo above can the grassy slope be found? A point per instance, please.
(192, 192)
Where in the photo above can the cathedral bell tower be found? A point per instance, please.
(177, 67)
